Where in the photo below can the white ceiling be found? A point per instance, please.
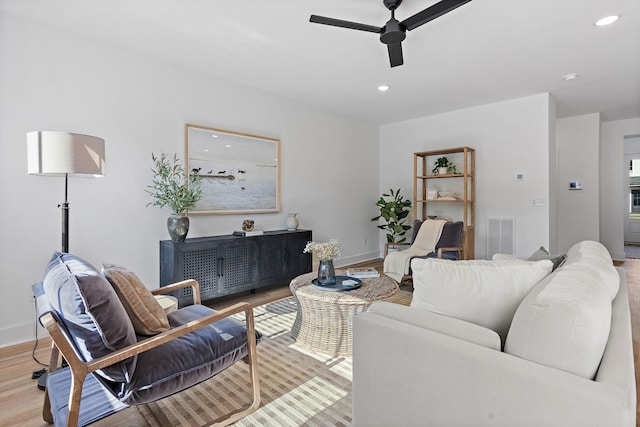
(482, 52)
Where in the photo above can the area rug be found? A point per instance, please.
(298, 388)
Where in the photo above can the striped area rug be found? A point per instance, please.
(298, 388)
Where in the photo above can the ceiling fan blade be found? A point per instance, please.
(395, 54)
(345, 24)
(431, 13)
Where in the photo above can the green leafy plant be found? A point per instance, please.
(443, 162)
(394, 209)
(172, 187)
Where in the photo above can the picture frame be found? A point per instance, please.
(432, 193)
(240, 171)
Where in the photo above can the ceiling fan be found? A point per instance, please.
(394, 31)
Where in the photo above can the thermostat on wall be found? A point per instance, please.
(575, 185)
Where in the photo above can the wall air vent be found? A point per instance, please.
(501, 236)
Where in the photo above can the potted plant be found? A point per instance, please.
(173, 188)
(443, 166)
(394, 209)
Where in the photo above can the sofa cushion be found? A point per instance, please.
(88, 307)
(145, 312)
(565, 320)
(189, 359)
(556, 260)
(483, 292)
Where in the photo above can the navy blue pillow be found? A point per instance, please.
(451, 236)
(90, 310)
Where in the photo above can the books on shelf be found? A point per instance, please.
(248, 233)
(363, 272)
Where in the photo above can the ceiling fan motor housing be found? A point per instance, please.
(391, 4)
(393, 32)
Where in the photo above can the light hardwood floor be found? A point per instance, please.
(21, 400)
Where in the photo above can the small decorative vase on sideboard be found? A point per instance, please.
(292, 222)
(326, 272)
(178, 226)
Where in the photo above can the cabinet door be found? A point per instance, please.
(297, 262)
(238, 267)
(270, 260)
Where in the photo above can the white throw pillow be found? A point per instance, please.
(565, 320)
(483, 292)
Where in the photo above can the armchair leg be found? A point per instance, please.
(77, 381)
(53, 365)
(252, 363)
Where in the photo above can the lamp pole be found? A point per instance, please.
(65, 215)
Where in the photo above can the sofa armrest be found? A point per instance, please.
(423, 377)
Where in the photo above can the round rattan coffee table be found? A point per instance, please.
(324, 320)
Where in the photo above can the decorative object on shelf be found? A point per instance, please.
(241, 172)
(173, 188)
(247, 225)
(394, 212)
(248, 233)
(447, 195)
(292, 222)
(443, 166)
(326, 253)
(432, 193)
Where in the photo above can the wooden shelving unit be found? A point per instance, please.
(463, 183)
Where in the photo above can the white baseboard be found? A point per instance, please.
(357, 259)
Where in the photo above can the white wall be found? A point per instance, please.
(577, 143)
(613, 197)
(51, 80)
(509, 137)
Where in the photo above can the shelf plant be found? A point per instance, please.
(443, 162)
(394, 210)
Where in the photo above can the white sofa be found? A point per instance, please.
(567, 358)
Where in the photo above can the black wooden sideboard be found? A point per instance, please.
(225, 265)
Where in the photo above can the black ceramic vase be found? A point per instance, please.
(178, 226)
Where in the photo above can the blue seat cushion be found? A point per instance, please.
(187, 360)
(97, 401)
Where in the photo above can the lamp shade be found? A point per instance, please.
(64, 153)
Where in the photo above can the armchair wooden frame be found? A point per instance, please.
(459, 249)
(79, 369)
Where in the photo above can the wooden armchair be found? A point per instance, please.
(81, 312)
(450, 245)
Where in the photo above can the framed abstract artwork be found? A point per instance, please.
(240, 172)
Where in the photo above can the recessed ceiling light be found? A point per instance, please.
(570, 76)
(607, 20)
(383, 88)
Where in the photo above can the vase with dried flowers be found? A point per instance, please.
(326, 253)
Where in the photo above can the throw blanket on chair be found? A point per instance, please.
(396, 264)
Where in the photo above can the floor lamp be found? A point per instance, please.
(53, 153)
